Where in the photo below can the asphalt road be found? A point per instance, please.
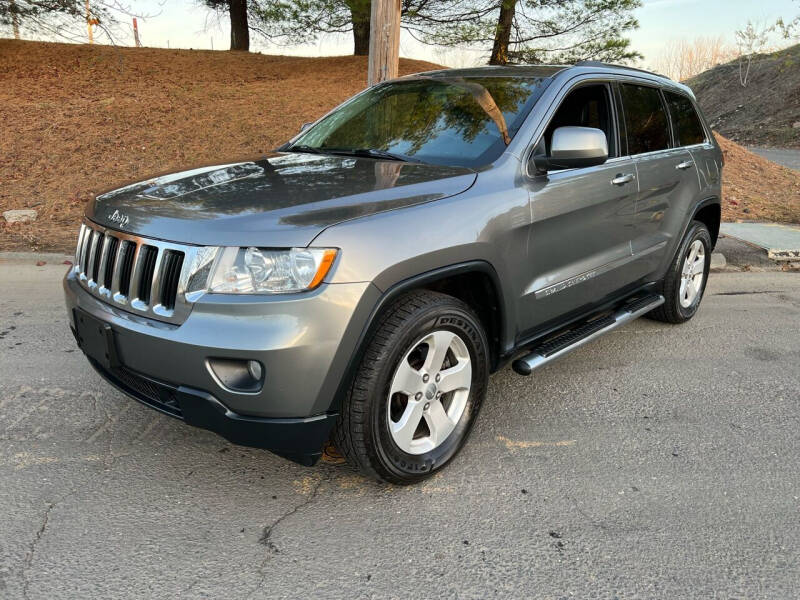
(659, 462)
(788, 157)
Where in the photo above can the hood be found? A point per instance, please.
(282, 200)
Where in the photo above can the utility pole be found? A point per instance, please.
(384, 41)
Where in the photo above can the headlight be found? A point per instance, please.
(267, 271)
(200, 271)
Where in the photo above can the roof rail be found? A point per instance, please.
(600, 63)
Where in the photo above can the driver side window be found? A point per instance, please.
(585, 106)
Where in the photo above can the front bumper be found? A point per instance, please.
(304, 343)
(300, 439)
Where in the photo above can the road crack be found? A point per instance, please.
(266, 535)
(269, 530)
(748, 293)
(26, 565)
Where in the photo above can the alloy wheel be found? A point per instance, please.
(429, 392)
(693, 273)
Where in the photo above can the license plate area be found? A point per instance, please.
(96, 339)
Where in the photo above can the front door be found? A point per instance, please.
(579, 249)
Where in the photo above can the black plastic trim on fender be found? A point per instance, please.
(415, 282)
(700, 206)
(300, 439)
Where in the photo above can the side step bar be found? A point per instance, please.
(575, 338)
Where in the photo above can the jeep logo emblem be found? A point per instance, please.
(118, 217)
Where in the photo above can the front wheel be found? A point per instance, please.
(417, 391)
(685, 281)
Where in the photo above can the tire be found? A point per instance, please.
(679, 304)
(376, 431)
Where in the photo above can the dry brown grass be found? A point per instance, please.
(80, 119)
(755, 189)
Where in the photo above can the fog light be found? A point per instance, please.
(244, 376)
(255, 369)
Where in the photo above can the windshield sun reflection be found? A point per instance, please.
(459, 121)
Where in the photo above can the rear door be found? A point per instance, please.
(579, 248)
(690, 133)
(668, 181)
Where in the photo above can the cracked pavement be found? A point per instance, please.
(657, 462)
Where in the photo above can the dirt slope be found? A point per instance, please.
(762, 113)
(755, 189)
(79, 119)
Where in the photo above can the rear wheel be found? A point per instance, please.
(685, 281)
(417, 391)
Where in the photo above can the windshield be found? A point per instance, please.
(460, 121)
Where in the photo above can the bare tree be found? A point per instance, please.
(753, 39)
(682, 59)
(789, 28)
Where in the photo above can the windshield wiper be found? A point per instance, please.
(370, 153)
(304, 148)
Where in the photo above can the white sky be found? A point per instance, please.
(187, 24)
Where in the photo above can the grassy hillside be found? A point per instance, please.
(763, 112)
(80, 119)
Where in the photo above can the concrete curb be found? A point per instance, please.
(783, 254)
(780, 241)
(48, 257)
(718, 261)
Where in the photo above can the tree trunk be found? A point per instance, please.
(360, 14)
(502, 35)
(240, 32)
(15, 18)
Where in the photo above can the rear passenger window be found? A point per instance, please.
(687, 124)
(645, 119)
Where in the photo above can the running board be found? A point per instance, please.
(575, 338)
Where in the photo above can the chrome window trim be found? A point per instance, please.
(109, 292)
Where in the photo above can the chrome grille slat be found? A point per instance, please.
(148, 257)
(89, 268)
(79, 248)
(173, 264)
(85, 250)
(155, 280)
(110, 264)
(101, 268)
(136, 273)
(127, 256)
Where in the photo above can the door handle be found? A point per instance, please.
(687, 164)
(623, 179)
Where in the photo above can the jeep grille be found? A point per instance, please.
(140, 275)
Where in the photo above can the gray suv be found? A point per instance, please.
(361, 283)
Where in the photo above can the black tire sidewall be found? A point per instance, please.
(398, 463)
(698, 231)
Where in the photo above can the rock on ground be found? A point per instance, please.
(23, 215)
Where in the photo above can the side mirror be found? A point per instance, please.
(305, 126)
(572, 148)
